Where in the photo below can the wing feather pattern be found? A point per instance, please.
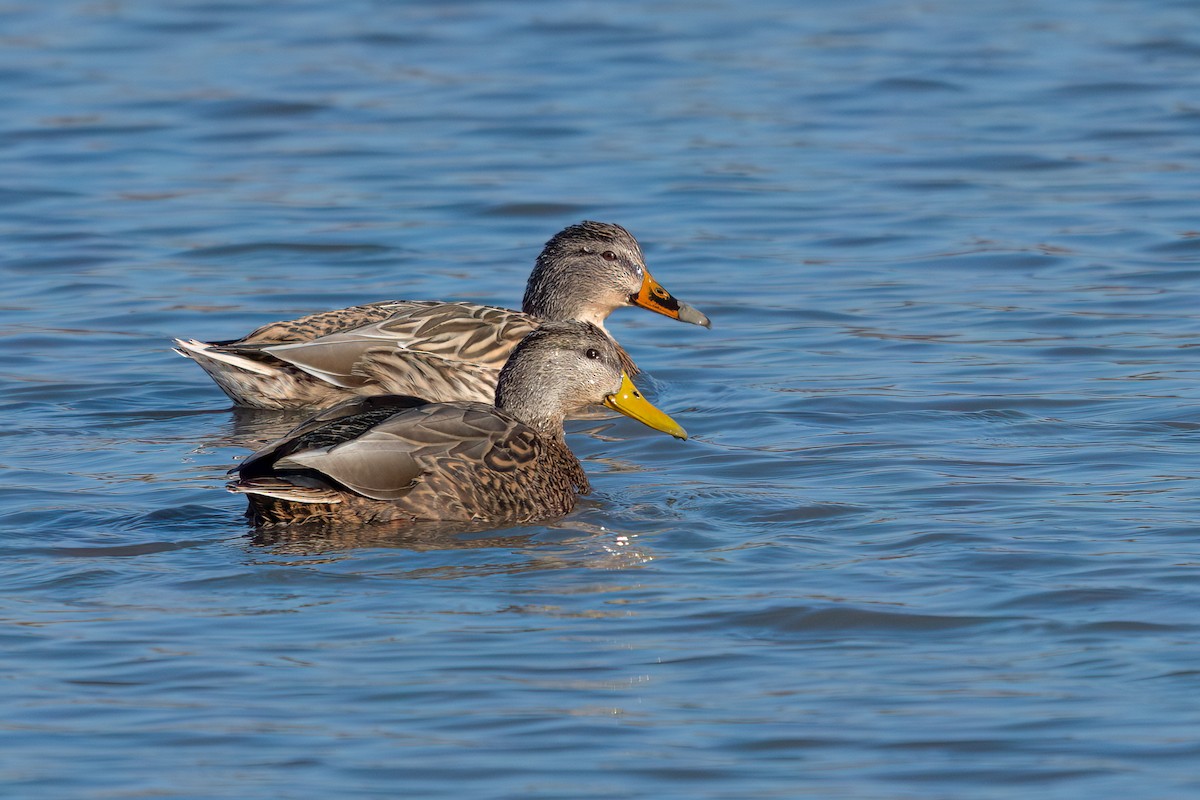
(387, 458)
(441, 351)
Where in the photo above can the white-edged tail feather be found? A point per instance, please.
(282, 490)
(199, 351)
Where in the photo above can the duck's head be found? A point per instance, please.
(589, 270)
(563, 367)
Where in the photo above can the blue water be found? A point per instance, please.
(935, 533)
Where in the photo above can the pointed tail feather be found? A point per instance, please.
(283, 490)
(203, 351)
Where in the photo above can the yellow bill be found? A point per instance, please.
(653, 296)
(629, 401)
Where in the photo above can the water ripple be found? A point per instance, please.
(933, 535)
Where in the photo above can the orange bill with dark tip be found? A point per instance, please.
(654, 297)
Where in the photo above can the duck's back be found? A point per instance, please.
(435, 350)
(323, 323)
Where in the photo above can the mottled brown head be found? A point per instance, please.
(589, 270)
(563, 367)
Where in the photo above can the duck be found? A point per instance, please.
(440, 351)
(403, 459)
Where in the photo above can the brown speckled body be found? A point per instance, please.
(540, 478)
(439, 351)
(397, 459)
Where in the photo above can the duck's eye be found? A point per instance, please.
(609, 255)
(593, 353)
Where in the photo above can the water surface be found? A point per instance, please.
(934, 534)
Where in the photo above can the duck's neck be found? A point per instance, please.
(548, 428)
(547, 310)
(553, 296)
(540, 408)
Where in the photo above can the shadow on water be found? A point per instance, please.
(323, 537)
(466, 549)
(252, 428)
